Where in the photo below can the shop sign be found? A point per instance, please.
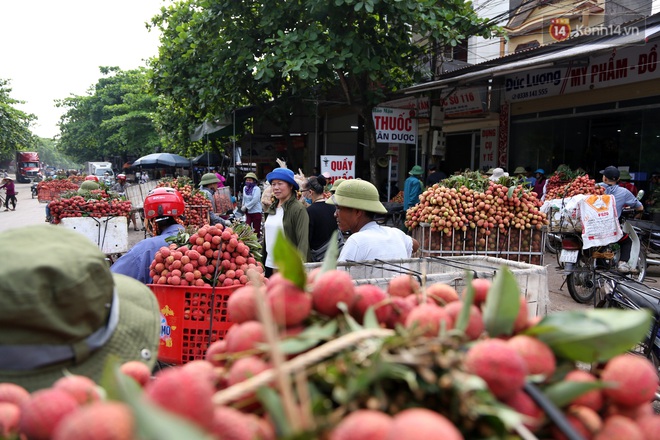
(421, 105)
(339, 167)
(623, 66)
(488, 152)
(395, 125)
(465, 102)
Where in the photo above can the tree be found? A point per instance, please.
(15, 131)
(114, 119)
(219, 54)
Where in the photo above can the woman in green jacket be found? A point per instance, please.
(286, 214)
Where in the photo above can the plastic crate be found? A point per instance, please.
(525, 246)
(186, 321)
(532, 279)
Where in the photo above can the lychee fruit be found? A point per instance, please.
(422, 424)
(82, 388)
(481, 287)
(429, 319)
(524, 404)
(585, 421)
(204, 369)
(43, 412)
(403, 285)
(499, 365)
(242, 305)
(10, 416)
(232, 424)
(369, 295)
(12, 393)
(245, 336)
(364, 424)
(137, 370)
(650, 426)
(244, 369)
(619, 427)
(632, 412)
(184, 393)
(330, 288)
(400, 309)
(98, 421)
(634, 378)
(442, 293)
(591, 399)
(537, 355)
(289, 305)
(475, 326)
(215, 349)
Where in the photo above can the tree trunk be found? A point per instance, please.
(370, 137)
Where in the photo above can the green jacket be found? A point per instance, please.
(295, 225)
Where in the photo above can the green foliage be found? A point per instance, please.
(219, 55)
(502, 304)
(592, 335)
(15, 131)
(115, 118)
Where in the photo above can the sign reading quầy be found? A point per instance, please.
(395, 125)
(623, 66)
(339, 167)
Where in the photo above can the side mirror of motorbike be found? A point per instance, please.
(640, 194)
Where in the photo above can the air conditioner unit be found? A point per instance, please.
(438, 144)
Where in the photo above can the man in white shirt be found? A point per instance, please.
(356, 203)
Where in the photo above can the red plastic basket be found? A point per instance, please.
(186, 320)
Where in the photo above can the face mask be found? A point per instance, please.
(309, 201)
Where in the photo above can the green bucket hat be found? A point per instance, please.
(334, 186)
(416, 171)
(251, 176)
(62, 310)
(520, 170)
(624, 175)
(208, 179)
(358, 194)
(88, 185)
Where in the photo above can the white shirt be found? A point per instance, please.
(376, 242)
(273, 223)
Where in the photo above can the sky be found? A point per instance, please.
(52, 49)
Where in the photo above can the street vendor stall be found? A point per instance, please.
(471, 215)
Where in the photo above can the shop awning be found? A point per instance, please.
(537, 58)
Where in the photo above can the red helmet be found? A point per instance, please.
(92, 177)
(163, 202)
(121, 176)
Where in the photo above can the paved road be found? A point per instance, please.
(30, 211)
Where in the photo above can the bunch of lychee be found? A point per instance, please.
(74, 407)
(212, 251)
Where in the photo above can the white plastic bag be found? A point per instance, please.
(600, 222)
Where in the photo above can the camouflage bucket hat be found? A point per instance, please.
(62, 310)
(358, 194)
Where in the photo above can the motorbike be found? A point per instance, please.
(34, 190)
(581, 266)
(623, 293)
(649, 237)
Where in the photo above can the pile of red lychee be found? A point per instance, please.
(213, 251)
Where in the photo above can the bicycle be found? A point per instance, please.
(619, 292)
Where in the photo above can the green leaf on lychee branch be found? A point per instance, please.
(502, 304)
(331, 254)
(562, 394)
(289, 261)
(309, 338)
(275, 409)
(592, 335)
